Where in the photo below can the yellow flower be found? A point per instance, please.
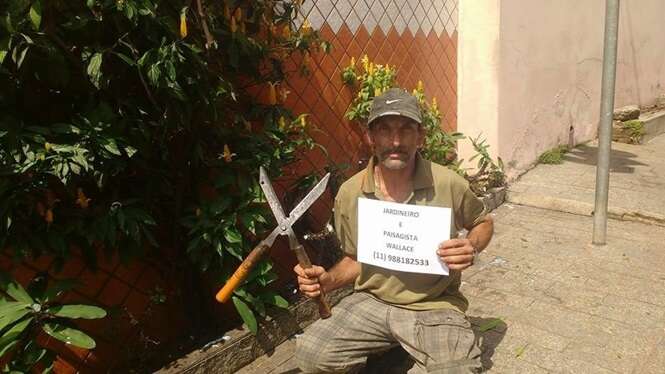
(365, 61)
(272, 94)
(48, 217)
(420, 86)
(353, 62)
(284, 94)
(183, 25)
(82, 200)
(434, 105)
(377, 91)
(306, 28)
(47, 146)
(303, 121)
(370, 69)
(227, 155)
(282, 123)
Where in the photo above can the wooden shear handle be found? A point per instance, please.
(241, 273)
(305, 263)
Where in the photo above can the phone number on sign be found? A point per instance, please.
(399, 259)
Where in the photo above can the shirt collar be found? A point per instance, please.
(422, 177)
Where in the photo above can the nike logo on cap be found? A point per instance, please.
(388, 102)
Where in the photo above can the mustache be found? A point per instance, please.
(400, 150)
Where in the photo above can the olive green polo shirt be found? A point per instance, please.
(433, 185)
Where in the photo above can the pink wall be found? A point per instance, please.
(545, 58)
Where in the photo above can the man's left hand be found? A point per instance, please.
(456, 253)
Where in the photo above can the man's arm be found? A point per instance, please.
(458, 253)
(310, 281)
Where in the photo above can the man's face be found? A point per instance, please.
(395, 140)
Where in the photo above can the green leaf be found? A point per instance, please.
(12, 317)
(126, 59)
(78, 311)
(491, 324)
(10, 307)
(36, 14)
(69, 335)
(130, 151)
(15, 290)
(246, 314)
(65, 128)
(111, 146)
(10, 337)
(94, 69)
(232, 235)
(273, 298)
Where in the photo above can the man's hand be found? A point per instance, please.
(310, 281)
(456, 253)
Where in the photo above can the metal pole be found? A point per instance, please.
(605, 127)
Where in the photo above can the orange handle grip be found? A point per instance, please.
(241, 273)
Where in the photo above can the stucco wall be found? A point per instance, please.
(548, 69)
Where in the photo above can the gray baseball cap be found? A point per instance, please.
(395, 102)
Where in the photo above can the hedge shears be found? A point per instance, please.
(284, 227)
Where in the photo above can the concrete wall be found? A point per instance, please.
(545, 58)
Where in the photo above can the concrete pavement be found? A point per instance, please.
(566, 305)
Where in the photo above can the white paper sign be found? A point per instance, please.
(402, 237)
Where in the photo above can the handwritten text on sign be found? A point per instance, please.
(402, 237)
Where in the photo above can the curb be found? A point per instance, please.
(654, 125)
(582, 208)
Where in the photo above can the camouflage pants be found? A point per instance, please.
(440, 341)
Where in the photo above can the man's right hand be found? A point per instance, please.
(311, 280)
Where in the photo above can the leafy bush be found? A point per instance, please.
(27, 314)
(440, 146)
(635, 130)
(553, 156)
(134, 124)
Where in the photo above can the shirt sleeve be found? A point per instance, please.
(471, 211)
(344, 227)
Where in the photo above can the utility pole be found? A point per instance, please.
(605, 126)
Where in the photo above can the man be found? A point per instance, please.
(424, 313)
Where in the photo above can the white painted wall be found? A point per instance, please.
(547, 70)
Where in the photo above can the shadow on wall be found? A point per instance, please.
(620, 161)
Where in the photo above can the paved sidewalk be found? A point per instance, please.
(637, 182)
(566, 305)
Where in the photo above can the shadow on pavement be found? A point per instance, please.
(620, 161)
(489, 339)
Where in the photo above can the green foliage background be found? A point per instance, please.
(139, 125)
(369, 80)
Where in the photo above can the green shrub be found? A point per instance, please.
(635, 129)
(134, 124)
(26, 314)
(554, 155)
(372, 80)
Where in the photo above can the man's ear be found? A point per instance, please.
(368, 137)
(421, 135)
